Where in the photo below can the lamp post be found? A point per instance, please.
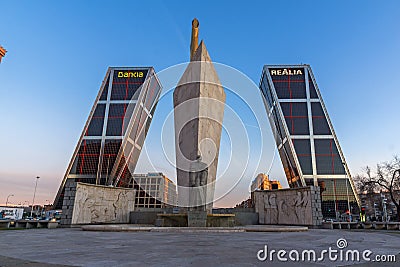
(348, 201)
(347, 190)
(334, 199)
(10, 195)
(34, 194)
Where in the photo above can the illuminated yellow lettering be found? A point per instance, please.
(273, 72)
(285, 72)
(130, 74)
(279, 72)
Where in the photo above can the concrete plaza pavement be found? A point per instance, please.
(74, 247)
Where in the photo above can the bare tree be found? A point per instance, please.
(385, 179)
(363, 184)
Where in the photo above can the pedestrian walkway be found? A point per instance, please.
(149, 228)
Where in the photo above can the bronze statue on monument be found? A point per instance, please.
(197, 181)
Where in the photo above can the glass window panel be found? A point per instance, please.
(296, 117)
(327, 157)
(130, 108)
(134, 158)
(279, 130)
(121, 165)
(313, 92)
(266, 91)
(142, 120)
(152, 93)
(303, 151)
(95, 127)
(114, 127)
(320, 124)
(295, 109)
(135, 123)
(105, 90)
(124, 91)
(111, 148)
(291, 172)
(87, 159)
(116, 118)
(309, 181)
(337, 197)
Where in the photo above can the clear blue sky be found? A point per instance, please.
(58, 53)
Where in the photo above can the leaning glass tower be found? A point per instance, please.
(114, 133)
(305, 138)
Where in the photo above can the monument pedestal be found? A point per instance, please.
(292, 206)
(195, 219)
(98, 204)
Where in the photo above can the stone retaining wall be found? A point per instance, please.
(294, 206)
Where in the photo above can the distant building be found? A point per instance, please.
(2, 52)
(246, 204)
(154, 190)
(262, 182)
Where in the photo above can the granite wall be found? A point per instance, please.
(102, 204)
(68, 202)
(294, 206)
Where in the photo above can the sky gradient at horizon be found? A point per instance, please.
(58, 54)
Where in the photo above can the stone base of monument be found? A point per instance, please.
(98, 204)
(292, 206)
(171, 220)
(195, 219)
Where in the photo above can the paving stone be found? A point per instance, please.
(73, 247)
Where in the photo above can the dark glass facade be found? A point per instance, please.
(115, 130)
(307, 145)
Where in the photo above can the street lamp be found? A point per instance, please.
(334, 199)
(10, 195)
(34, 194)
(347, 190)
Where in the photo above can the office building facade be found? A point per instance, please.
(262, 182)
(113, 136)
(154, 190)
(305, 138)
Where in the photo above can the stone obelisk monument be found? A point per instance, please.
(199, 102)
